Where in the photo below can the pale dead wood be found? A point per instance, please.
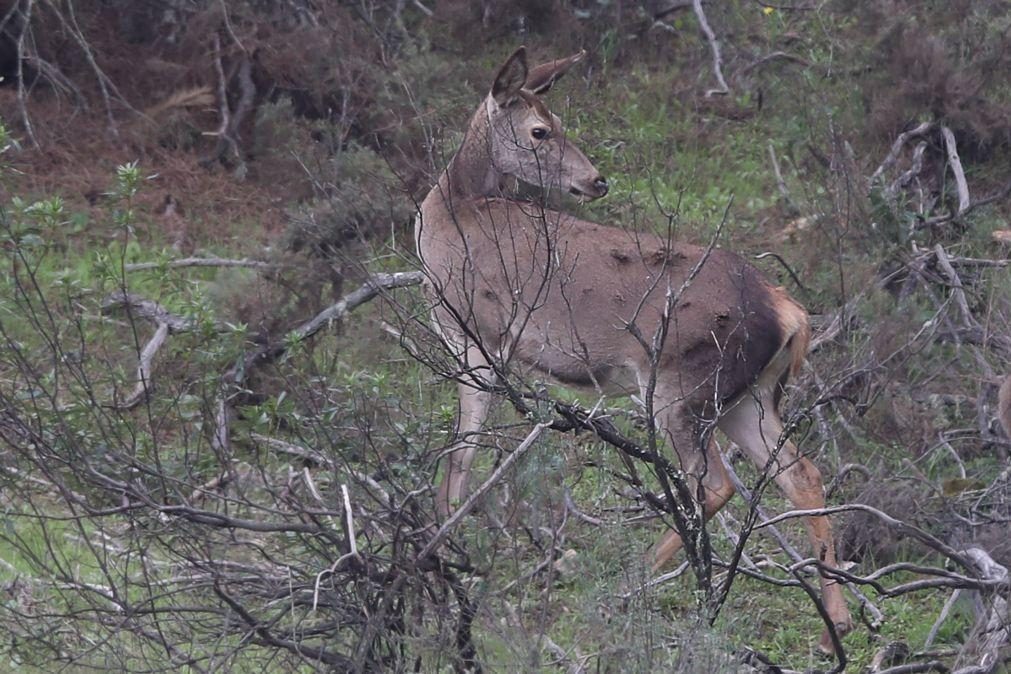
(166, 323)
(992, 631)
(977, 262)
(657, 581)
(956, 168)
(572, 508)
(916, 668)
(958, 292)
(319, 459)
(423, 9)
(949, 603)
(189, 97)
(999, 195)
(295, 450)
(225, 141)
(714, 48)
(897, 145)
(375, 285)
(349, 532)
(915, 166)
(140, 307)
(145, 369)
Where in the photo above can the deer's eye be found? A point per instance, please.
(539, 133)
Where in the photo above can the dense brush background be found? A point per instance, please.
(203, 525)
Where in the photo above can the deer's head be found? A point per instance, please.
(527, 140)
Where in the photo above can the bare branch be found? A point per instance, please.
(714, 47)
(956, 167)
(897, 145)
(147, 309)
(468, 505)
(145, 378)
(202, 262)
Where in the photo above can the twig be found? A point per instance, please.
(942, 616)
(915, 166)
(373, 286)
(843, 473)
(908, 529)
(956, 167)
(22, 97)
(225, 141)
(659, 580)
(145, 380)
(877, 616)
(352, 552)
(201, 262)
(571, 506)
(472, 500)
(958, 292)
(167, 323)
(105, 84)
(150, 310)
(999, 195)
(992, 628)
(671, 7)
(238, 373)
(776, 55)
(781, 183)
(787, 267)
(714, 47)
(916, 668)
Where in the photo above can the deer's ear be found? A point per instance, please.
(510, 78)
(545, 75)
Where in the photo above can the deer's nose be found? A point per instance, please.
(601, 185)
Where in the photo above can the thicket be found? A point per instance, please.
(221, 413)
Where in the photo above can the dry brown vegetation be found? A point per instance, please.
(222, 471)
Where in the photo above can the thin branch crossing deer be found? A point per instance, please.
(698, 331)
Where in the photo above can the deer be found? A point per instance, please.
(516, 282)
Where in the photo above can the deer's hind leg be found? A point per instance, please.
(754, 424)
(717, 488)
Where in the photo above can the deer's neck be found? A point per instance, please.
(471, 173)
